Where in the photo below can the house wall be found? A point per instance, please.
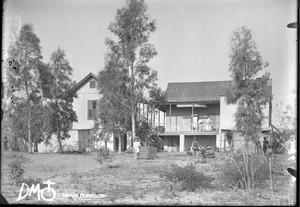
(227, 117)
(80, 135)
(80, 105)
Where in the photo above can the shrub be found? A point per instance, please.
(16, 171)
(34, 181)
(104, 156)
(243, 170)
(187, 176)
(76, 178)
(114, 165)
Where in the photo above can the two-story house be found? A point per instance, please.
(199, 109)
(85, 106)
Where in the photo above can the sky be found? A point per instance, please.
(192, 37)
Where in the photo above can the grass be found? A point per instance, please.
(135, 181)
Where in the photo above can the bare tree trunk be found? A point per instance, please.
(29, 110)
(133, 129)
(25, 145)
(35, 145)
(29, 131)
(59, 143)
(120, 141)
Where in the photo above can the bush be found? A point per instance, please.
(76, 178)
(187, 176)
(114, 165)
(16, 171)
(34, 181)
(243, 170)
(104, 156)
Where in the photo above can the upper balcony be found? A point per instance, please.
(199, 126)
(190, 127)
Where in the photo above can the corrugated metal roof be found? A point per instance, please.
(204, 92)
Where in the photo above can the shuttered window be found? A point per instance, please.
(92, 107)
(92, 84)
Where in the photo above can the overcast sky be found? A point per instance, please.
(192, 37)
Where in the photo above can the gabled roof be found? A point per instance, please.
(84, 81)
(203, 92)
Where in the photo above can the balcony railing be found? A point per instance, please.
(189, 127)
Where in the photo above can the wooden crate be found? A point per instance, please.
(147, 152)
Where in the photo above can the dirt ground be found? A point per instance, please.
(135, 181)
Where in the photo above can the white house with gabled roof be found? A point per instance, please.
(85, 106)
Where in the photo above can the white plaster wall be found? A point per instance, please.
(227, 115)
(80, 105)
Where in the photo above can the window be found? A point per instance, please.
(92, 106)
(92, 84)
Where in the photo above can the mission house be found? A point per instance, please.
(193, 109)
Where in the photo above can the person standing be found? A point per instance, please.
(208, 124)
(258, 147)
(136, 147)
(195, 147)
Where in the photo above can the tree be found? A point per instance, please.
(61, 95)
(22, 74)
(112, 117)
(126, 75)
(247, 91)
(284, 121)
(146, 127)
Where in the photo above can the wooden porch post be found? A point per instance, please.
(158, 117)
(192, 117)
(165, 119)
(170, 117)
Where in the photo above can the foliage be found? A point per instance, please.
(147, 132)
(16, 171)
(126, 75)
(243, 170)
(34, 181)
(15, 125)
(76, 178)
(114, 165)
(158, 98)
(104, 156)
(249, 93)
(145, 128)
(61, 94)
(22, 72)
(111, 118)
(187, 176)
(284, 118)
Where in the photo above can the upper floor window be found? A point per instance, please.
(92, 107)
(92, 84)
